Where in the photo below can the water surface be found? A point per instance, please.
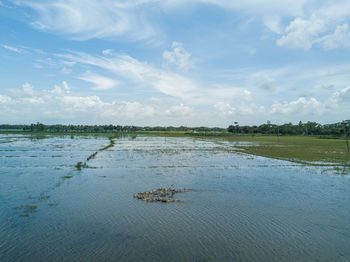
(239, 208)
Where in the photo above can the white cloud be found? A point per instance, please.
(302, 106)
(4, 99)
(178, 56)
(301, 33)
(273, 23)
(326, 25)
(99, 82)
(309, 21)
(13, 49)
(166, 82)
(66, 70)
(27, 88)
(59, 104)
(78, 103)
(58, 90)
(91, 19)
(342, 96)
(225, 108)
(107, 51)
(295, 7)
(179, 111)
(146, 75)
(136, 109)
(239, 110)
(340, 38)
(132, 19)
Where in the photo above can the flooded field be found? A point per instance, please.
(237, 207)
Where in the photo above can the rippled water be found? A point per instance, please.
(239, 208)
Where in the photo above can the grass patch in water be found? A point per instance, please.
(111, 144)
(80, 165)
(301, 149)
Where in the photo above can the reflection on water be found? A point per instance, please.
(239, 208)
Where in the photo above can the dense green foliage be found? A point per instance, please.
(39, 127)
(309, 128)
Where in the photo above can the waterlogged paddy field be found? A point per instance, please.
(238, 208)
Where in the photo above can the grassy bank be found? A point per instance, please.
(301, 149)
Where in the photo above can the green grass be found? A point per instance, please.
(301, 149)
(78, 165)
(111, 144)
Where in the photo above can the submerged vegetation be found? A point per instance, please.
(111, 144)
(79, 165)
(27, 210)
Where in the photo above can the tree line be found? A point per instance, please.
(308, 128)
(39, 127)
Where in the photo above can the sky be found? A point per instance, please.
(174, 62)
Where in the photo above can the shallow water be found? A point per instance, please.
(239, 208)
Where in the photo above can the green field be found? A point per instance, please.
(301, 149)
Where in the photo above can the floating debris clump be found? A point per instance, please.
(160, 195)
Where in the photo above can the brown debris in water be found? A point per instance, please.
(160, 195)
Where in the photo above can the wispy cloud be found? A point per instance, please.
(132, 19)
(99, 82)
(83, 20)
(146, 75)
(295, 7)
(13, 49)
(301, 25)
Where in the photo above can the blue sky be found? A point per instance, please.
(174, 62)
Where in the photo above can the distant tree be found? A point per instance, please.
(231, 129)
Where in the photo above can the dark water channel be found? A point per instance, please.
(239, 208)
